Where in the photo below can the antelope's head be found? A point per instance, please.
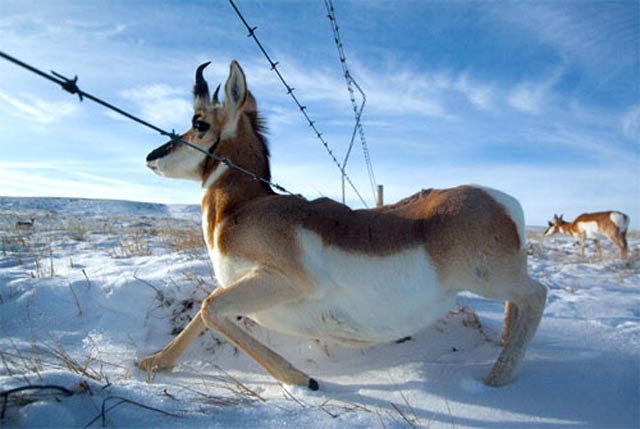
(555, 226)
(226, 129)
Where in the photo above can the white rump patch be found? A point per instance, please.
(619, 220)
(513, 208)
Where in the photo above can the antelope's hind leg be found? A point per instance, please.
(621, 242)
(529, 305)
(510, 316)
(596, 242)
(255, 292)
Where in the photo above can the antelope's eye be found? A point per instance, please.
(201, 126)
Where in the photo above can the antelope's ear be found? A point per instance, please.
(250, 104)
(235, 90)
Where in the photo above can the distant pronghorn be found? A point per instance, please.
(317, 269)
(612, 225)
(25, 224)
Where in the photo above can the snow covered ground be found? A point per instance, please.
(95, 285)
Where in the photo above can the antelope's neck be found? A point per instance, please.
(571, 228)
(226, 198)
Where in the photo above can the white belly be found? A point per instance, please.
(361, 299)
(591, 230)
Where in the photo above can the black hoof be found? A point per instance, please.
(313, 385)
(403, 340)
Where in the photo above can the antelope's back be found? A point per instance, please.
(464, 224)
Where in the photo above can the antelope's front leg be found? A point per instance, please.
(166, 358)
(582, 239)
(257, 291)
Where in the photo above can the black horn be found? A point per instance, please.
(215, 95)
(201, 89)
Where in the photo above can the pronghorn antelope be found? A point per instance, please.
(25, 224)
(595, 226)
(318, 269)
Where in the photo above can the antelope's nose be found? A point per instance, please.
(161, 152)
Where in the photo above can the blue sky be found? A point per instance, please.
(539, 99)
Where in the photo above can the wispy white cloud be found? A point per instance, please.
(599, 37)
(34, 25)
(86, 29)
(532, 96)
(36, 109)
(527, 98)
(481, 95)
(161, 104)
(631, 124)
(400, 101)
(397, 89)
(279, 117)
(392, 90)
(406, 91)
(588, 144)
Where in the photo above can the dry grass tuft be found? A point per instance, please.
(133, 244)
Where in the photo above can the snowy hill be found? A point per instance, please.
(82, 207)
(95, 285)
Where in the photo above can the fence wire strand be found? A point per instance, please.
(290, 91)
(71, 86)
(357, 110)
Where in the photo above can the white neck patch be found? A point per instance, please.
(215, 175)
(229, 129)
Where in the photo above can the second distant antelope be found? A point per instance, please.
(594, 226)
(25, 224)
(318, 269)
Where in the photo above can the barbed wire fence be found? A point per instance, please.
(290, 91)
(357, 110)
(71, 86)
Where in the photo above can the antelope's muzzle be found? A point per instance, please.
(159, 153)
